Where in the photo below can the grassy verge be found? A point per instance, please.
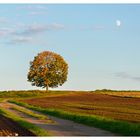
(32, 128)
(32, 93)
(2, 99)
(30, 113)
(115, 126)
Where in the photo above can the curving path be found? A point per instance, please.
(56, 126)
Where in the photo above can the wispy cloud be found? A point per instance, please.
(6, 31)
(43, 7)
(23, 34)
(125, 75)
(38, 7)
(4, 20)
(33, 13)
(92, 27)
(39, 28)
(56, 26)
(33, 7)
(33, 29)
(98, 27)
(21, 40)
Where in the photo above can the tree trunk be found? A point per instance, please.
(46, 87)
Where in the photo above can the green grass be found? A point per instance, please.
(31, 93)
(30, 113)
(21, 94)
(32, 128)
(115, 126)
(43, 93)
(2, 99)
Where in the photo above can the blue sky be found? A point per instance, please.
(100, 43)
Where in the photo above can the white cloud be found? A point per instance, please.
(38, 7)
(6, 31)
(37, 13)
(56, 26)
(33, 7)
(21, 40)
(21, 33)
(35, 29)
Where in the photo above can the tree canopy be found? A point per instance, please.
(48, 69)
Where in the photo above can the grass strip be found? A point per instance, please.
(30, 113)
(119, 127)
(1, 99)
(31, 127)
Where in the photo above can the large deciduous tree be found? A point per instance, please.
(48, 69)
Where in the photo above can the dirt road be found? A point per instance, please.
(56, 126)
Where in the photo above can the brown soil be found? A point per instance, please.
(119, 108)
(10, 128)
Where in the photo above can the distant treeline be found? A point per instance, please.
(109, 90)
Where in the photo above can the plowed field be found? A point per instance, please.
(10, 128)
(119, 108)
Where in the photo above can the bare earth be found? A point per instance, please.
(9, 127)
(56, 126)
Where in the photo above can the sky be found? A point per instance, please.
(100, 43)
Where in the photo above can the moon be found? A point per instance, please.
(118, 23)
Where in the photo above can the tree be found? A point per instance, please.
(48, 69)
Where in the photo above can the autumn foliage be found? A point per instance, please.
(48, 69)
